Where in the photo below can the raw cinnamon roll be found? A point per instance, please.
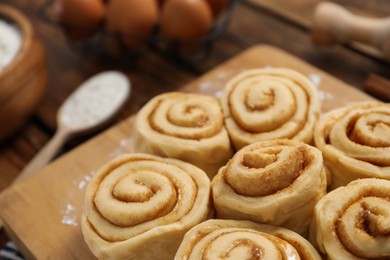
(270, 103)
(184, 126)
(355, 142)
(353, 221)
(275, 182)
(233, 239)
(140, 206)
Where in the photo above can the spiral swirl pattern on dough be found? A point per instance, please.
(270, 103)
(275, 182)
(185, 126)
(143, 199)
(233, 239)
(353, 221)
(355, 141)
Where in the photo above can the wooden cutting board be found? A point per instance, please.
(42, 213)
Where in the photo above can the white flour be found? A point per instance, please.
(322, 95)
(69, 217)
(126, 145)
(315, 79)
(10, 42)
(71, 213)
(95, 100)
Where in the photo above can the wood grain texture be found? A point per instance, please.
(16, 152)
(378, 86)
(33, 210)
(301, 13)
(340, 62)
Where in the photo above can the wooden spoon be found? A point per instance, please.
(93, 104)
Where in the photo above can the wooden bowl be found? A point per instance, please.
(23, 80)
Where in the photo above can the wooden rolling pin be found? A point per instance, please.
(333, 24)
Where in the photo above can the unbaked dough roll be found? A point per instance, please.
(275, 182)
(234, 239)
(140, 206)
(353, 221)
(355, 142)
(270, 103)
(185, 126)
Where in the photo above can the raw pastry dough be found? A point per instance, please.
(353, 221)
(275, 182)
(185, 126)
(140, 206)
(234, 239)
(270, 103)
(355, 142)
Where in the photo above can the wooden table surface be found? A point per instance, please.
(281, 23)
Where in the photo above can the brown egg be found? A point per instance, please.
(83, 16)
(132, 17)
(185, 19)
(217, 6)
